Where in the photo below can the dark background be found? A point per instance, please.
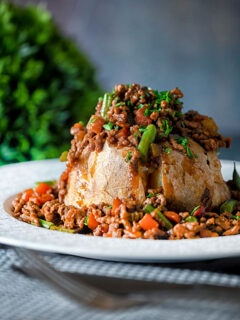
(194, 45)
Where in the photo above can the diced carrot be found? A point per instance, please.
(27, 194)
(116, 204)
(42, 188)
(173, 216)
(92, 222)
(122, 132)
(148, 222)
(105, 228)
(96, 125)
(141, 118)
(207, 233)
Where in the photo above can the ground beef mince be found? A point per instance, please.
(121, 119)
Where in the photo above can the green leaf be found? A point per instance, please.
(108, 126)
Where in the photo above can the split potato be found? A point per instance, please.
(188, 182)
(104, 176)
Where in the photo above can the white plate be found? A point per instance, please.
(17, 177)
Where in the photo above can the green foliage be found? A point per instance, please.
(46, 85)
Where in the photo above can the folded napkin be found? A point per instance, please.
(22, 297)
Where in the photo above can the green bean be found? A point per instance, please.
(236, 177)
(191, 219)
(49, 182)
(148, 208)
(63, 156)
(50, 225)
(107, 102)
(161, 216)
(228, 206)
(62, 229)
(148, 137)
(45, 224)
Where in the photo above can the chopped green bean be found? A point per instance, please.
(228, 206)
(161, 216)
(62, 229)
(236, 177)
(149, 208)
(148, 137)
(63, 156)
(191, 219)
(50, 225)
(45, 224)
(235, 217)
(107, 102)
(86, 221)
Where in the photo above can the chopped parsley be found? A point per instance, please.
(86, 221)
(184, 142)
(100, 99)
(108, 126)
(162, 95)
(117, 99)
(183, 124)
(165, 126)
(116, 127)
(146, 112)
(140, 106)
(129, 155)
(81, 122)
(92, 120)
(110, 207)
(179, 114)
(167, 150)
(141, 97)
(149, 195)
(135, 135)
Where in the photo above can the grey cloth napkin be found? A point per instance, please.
(22, 297)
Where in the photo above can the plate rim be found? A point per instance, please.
(108, 248)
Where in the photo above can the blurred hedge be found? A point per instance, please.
(46, 84)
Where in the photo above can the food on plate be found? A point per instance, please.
(140, 168)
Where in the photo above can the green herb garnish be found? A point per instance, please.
(167, 150)
(129, 155)
(108, 126)
(149, 195)
(92, 120)
(140, 106)
(165, 126)
(146, 112)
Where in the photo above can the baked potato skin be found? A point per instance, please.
(186, 181)
(104, 176)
